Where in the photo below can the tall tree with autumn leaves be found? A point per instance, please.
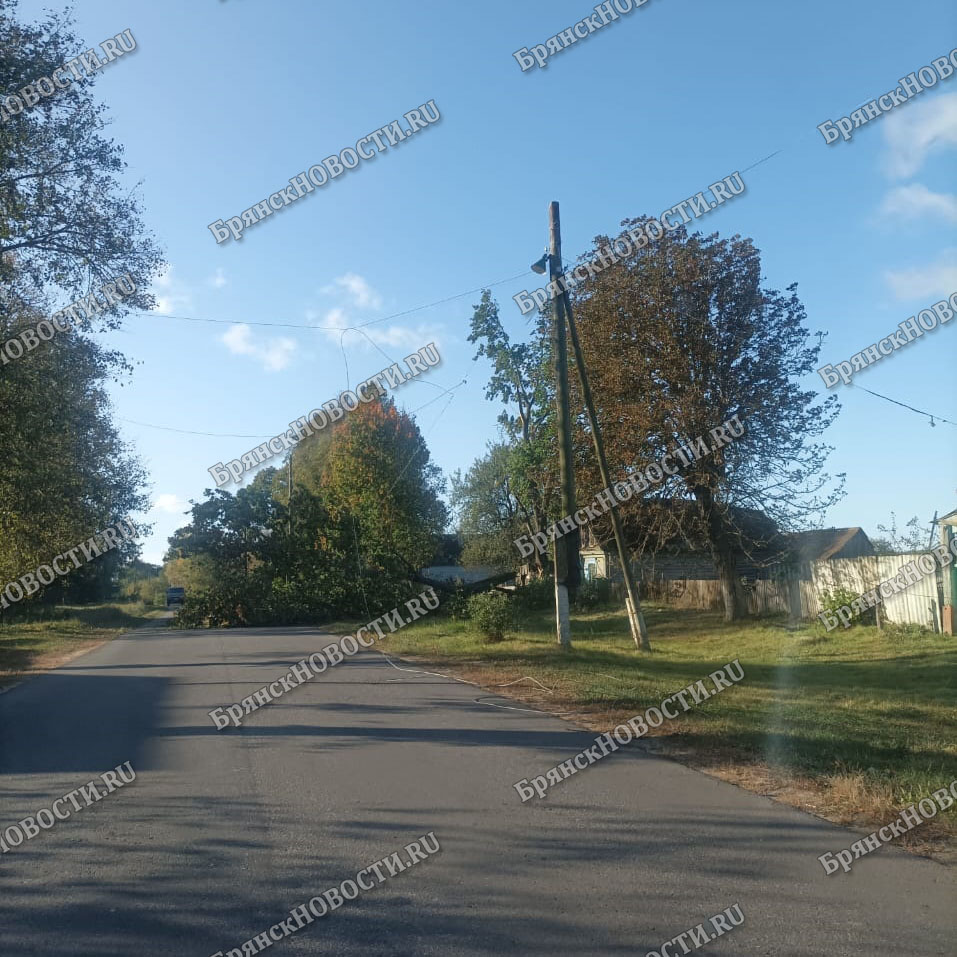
(681, 336)
(375, 474)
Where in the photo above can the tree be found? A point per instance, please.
(490, 516)
(143, 582)
(375, 475)
(364, 514)
(679, 338)
(67, 225)
(519, 478)
(229, 531)
(911, 538)
(65, 472)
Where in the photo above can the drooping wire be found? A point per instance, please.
(929, 415)
(218, 435)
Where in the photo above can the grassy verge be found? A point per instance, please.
(851, 725)
(28, 646)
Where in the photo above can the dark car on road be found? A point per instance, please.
(175, 596)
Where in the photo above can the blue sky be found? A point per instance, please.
(224, 100)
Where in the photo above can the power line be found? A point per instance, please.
(300, 325)
(930, 415)
(218, 435)
(233, 435)
(377, 347)
(759, 162)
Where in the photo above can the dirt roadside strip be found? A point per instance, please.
(48, 661)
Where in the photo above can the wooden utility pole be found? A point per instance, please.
(289, 502)
(636, 620)
(566, 548)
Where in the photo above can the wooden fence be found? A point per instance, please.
(918, 604)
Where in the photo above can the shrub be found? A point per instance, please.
(455, 604)
(493, 614)
(536, 595)
(830, 601)
(593, 594)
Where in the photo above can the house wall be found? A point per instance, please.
(594, 559)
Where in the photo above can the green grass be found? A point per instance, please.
(868, 716)
(52, 632)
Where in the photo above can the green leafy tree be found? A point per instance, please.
(489, 514)
(517, 482)
(230, 532)
(65, 473)
(67, 224)
(143, 582)
(376, 478)
(364, 513)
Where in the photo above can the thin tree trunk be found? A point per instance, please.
(723, 554)
(726, 566)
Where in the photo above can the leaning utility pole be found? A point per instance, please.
(567, 570)
(636, 620)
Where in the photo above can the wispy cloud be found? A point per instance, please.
(361, 294)
(171, 294)
(274, 354)
(356, 295)
(916, 201)
(935, 280)
(218, 278)
(913, 132)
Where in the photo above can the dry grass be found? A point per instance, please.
(28, 647)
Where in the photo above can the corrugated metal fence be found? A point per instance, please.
(917, 604)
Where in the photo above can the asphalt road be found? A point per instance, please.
(223, 832)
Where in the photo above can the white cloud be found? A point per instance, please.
(913, 132)
(926, 282)
(358, 294)
(169, 502)
(171, 294)
(218, 278)
(333, 321)
(274, 354)
(334, 318)
(916, 201)
(362, 295)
